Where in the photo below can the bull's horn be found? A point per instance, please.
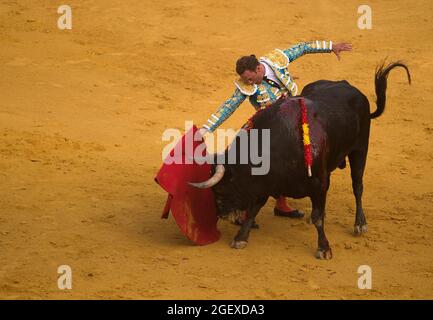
(219, 173)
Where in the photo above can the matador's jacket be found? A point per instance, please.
(266, 93)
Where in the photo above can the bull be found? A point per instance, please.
(339, 119)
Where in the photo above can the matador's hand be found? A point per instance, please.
(338, 47)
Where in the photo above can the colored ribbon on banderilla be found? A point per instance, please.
(306, 136)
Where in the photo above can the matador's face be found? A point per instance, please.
(253, 77)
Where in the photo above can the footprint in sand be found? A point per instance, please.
(429, 130)
(73, 62)
(18, 62)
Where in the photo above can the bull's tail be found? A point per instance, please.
(380, 81)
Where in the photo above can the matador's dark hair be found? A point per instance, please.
(246, 63)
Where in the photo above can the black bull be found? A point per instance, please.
(339, 120)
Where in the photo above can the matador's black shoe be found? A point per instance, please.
(294, 214)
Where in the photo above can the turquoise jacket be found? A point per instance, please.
(264, 94)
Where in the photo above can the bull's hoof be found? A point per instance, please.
(358, 230)
(238, 244)
(324, 254)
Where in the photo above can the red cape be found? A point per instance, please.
(193, 209)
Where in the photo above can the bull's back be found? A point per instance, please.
(337, 113)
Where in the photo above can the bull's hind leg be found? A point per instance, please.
(241, 239)
(318, 200)
(357, 159)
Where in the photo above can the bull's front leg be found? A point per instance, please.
(318, 200)
(241, 239)
(239, 217)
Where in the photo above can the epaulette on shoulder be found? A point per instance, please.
(277, 59)
(246, 89)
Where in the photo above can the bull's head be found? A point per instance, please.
(226, 194)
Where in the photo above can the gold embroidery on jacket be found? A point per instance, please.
(246, 89)
(276, 59)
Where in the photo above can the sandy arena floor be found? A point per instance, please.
(82, 112)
